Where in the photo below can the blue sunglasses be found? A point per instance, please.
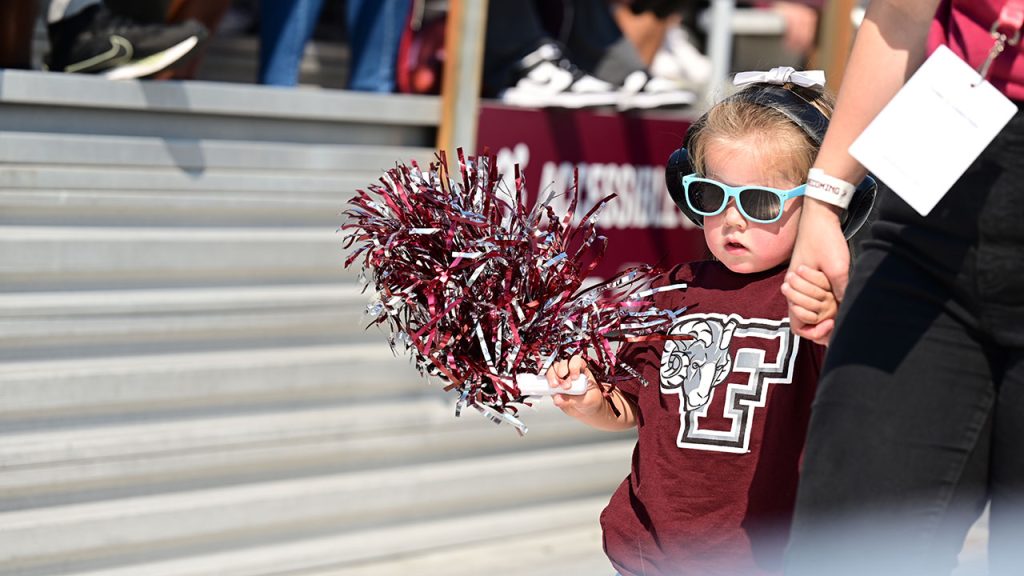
(760, 204)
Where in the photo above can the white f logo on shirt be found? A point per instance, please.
(694, 369)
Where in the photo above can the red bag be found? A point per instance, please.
(421, 51)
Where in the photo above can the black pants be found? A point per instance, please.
(919, 416)
(517, 27)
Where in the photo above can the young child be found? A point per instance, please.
(721, 417)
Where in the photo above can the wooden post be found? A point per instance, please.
(836, 39)
(17, 24)
(463, 69)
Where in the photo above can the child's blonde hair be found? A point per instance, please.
(738, 118)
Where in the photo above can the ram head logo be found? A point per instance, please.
(696, 366)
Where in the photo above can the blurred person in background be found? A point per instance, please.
(208, 13)
(285, 26)
(118, 40)
(801, 17)
(667, 37)
(569, 55)
(664, 42)
(374, 32)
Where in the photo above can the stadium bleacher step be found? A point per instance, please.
(51, 391)
(190, 154)
(54, 466)
(90, 105)
(186, 385)
(352, 501)
(143, 180)
(545, 551)
(57, 256)
(124, 318)
(467, 545)
(99, 207)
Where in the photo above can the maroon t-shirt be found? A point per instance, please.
(712, 487)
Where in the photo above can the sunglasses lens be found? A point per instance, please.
(761, 204)
(705, 197)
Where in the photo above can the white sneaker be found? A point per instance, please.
(642, 91)
(549, 80)
(678, 59)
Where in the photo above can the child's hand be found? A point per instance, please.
(811, 300)
(584, 406)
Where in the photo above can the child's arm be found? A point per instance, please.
(811, 300)
(591, 408)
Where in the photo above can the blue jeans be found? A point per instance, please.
(374, 32)
(285, 28)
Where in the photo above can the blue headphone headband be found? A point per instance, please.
(798, 109)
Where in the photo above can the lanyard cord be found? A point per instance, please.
(1005, 31)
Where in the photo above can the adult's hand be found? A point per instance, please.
(820, 245)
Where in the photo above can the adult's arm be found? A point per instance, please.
(889, 48)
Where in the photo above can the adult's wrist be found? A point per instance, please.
(820, 209)
(826, 188)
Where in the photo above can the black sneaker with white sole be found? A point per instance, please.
(547, 79)
(98, 41)
(641, 91)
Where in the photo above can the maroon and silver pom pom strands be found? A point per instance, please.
(479, 288)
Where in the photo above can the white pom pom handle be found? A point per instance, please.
(536, 385)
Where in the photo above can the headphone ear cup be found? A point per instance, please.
(679, 165)
(860, 206)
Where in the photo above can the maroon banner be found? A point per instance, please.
(614, 153)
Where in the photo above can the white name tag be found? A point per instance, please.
(932, 130)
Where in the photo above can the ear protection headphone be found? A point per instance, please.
(802, 113)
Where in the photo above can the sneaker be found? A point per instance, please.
(678, 59)
(642, 91)
(547, 79)
(98, 41)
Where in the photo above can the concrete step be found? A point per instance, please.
(79, 104)
(62, 465)
(59, 255)
(196, 155)
(53, 389)
(184, 385)
(126, 318)
(205, 184)
(344, 502)
(39, 305)
(543, 551)
(162, 208)
(501, 542)
(216, 98)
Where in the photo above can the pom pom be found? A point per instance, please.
(479, 288)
